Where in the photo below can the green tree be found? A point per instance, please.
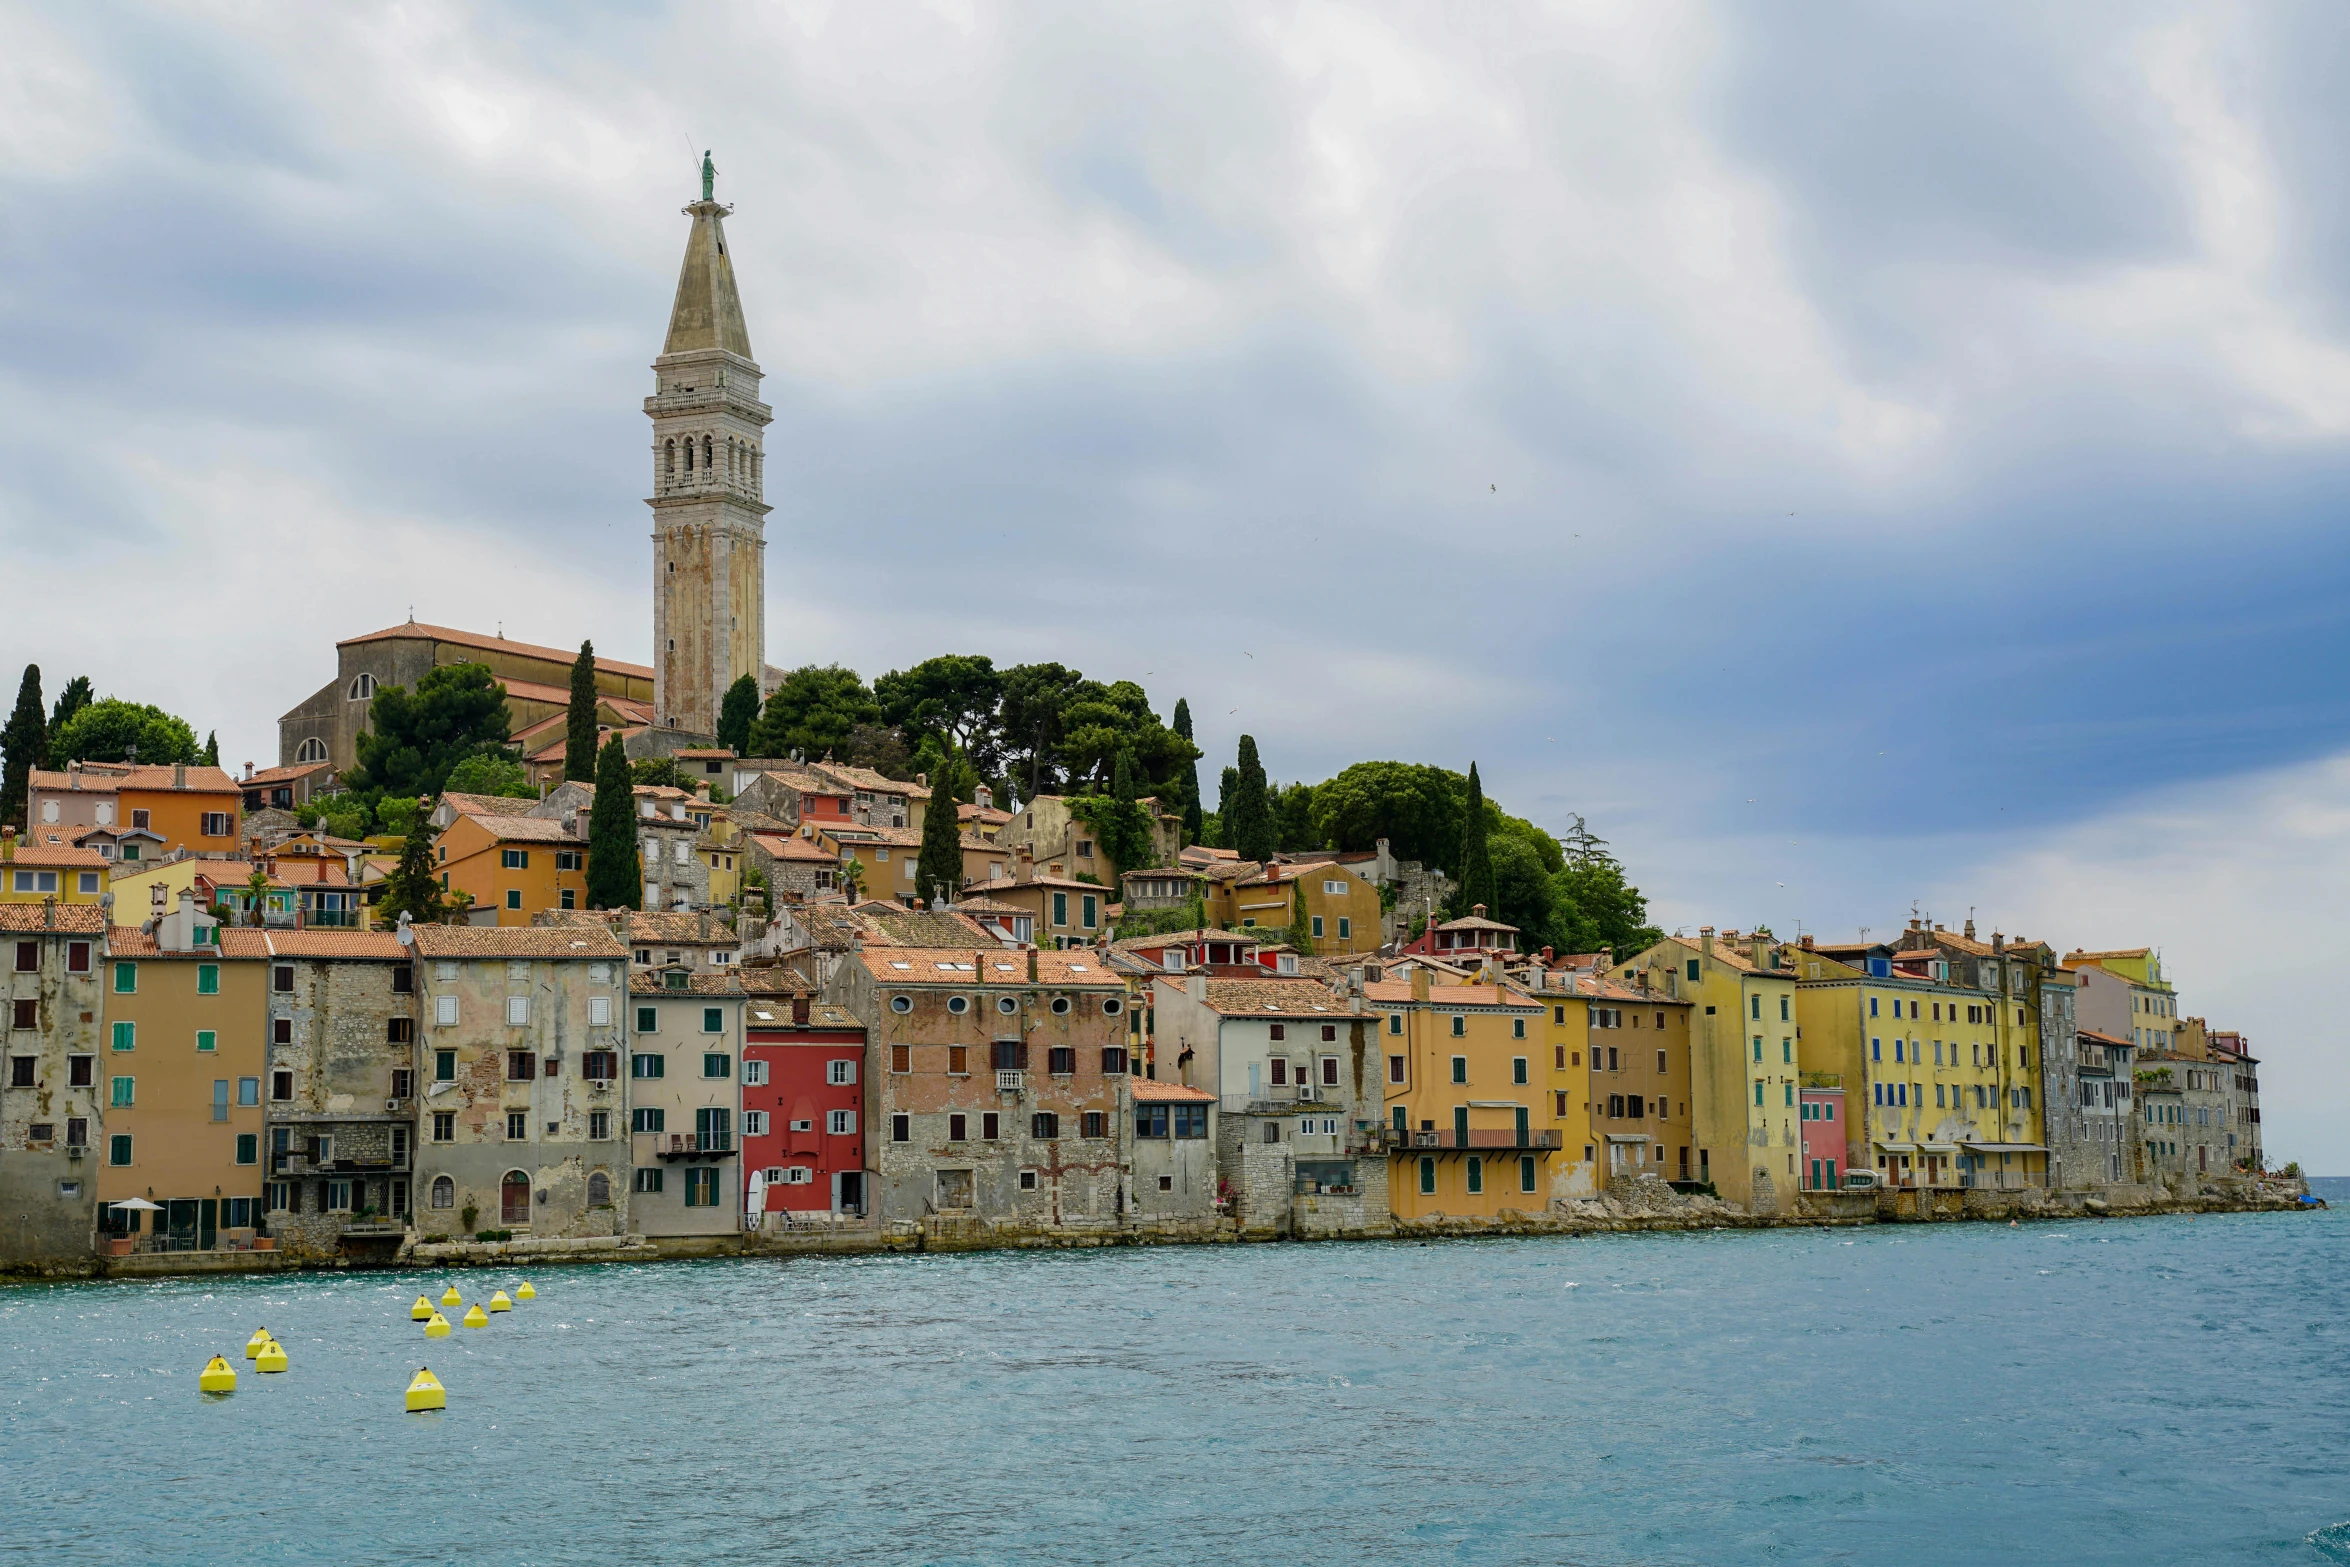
(1416, 808)
(110, 730)
(493, 774)
(1476, 860)
(1121, 824)
(659, 771)
(737, 713)
(24, 744)
(415, 738)
(579, 722)
(1293, 818)
(76, 696)
(1227, 790)
(402, 816)
(940, 867)
(1187, 780)
(812, 712)
(615, 878)
(1034, 719)
(879, 747)
(1248, 814)
(413, 888)
(211, 753)
(956, 697)
(1301, 924)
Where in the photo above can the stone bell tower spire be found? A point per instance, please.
(709, 473)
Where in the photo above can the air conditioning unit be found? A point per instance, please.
(76, 1150)
(395, 1105)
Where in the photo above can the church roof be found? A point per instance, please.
(708, 312)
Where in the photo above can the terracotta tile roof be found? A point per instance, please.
(63, 919)
(528, 829)
(2079, 956)
(110, 777)
(272, 775)
(485, 804)
(865, 779)
(2103, 1039)
(1475, 922)
(1390, 991)
(995, 884)
(820, 1015)
(776, 979)
(905, 927)
(1147, 1090)
(516, 941)
(797, 776)
(49, 856)
(1270, 997)
(678, 928)
(1176, 872)
(977, 965)
(418, 631)
(556, 751)
(237, 944)
(982, 813)
(333, 944)
(985, 906)
(1230, 870)
(791, 846)
(699, 982)
(1184, 938)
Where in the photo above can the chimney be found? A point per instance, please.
(1970, 927)
(799, 1007)
(1607, 960)
(1705, 942)
(1032, 965)
(1477, 910)
(179, 775)
(1419, 982)
(7, 843)
(921, 780)
(1026, 868)
(1196, 987)
(248, 772)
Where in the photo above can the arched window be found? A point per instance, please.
(689, 456)
(362, 687)
(514, 1198)
(444, 1192)
(311, 750)
(599, 1189)
(669, 460)
(709, 451)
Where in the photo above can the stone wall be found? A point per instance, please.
(338, 1019)
(48, 1184)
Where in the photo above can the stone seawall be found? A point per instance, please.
(1609, 1215)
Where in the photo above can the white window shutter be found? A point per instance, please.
(444, 1011)
(600, 1010)
(518, 1009)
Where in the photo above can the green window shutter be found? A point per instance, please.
(1060, 908)
(1427, 1175)
(1758, 1095)
(126, 979)
(1791, 1096)
(248, 1148)
(206, 1039)
(647, 1020)
(126, 1036)
(1476, 1176)
(118, 1149)
(1460, 1126)
(124, 1092)
(713, 1020)
(207, 979)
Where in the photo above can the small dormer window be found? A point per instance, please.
(676, 979)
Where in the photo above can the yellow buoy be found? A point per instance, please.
(499, 1302)
(218, 1376)
(271, 1358)
(523, 1291)
(426, 1392)
(476, 1317)
(253, 1344)
(421, 1310)
(450, 1297)
(436, 1326)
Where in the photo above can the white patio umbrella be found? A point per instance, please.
(138, 1204)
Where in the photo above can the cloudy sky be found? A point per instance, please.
(1860, 457)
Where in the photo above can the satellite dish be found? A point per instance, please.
(405, 936)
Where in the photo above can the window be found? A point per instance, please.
(1476, 1175)
(1427, 1177)
(399, 1030)
(1783, 1001)
(840, 1123)
(514, 859)
(1045, 1125)
(648, 1180)
(1460, 1069)
(118, 1149)
(521, 1066)
(713, 1020)
(1395, 1069)
(1517, 1028)
(1517, 1069)
(1094, 1123)
(126, 975)
(517, 1125)
(717, 1063)
(988, 1125)
(444, 1011)
(444, 1130)
(517, 1011)
(1693, 971)
(1060, 908)
(648, 1119)
(701, 1186)
(77, 955)
(1460, 1027)
(1525, 1172)
(1028, 1180)
(646, 1064)
(599, 1125)
(124, 1092)
(1395, 1022)
(1061, 1060)
(1872, 1006)
(24, 1013)
(1091, 905)
(1317, 926)
(901, 1128)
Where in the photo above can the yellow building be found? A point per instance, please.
(1617, 1065)
(1466, 1112)
(2154, 1005)
(1342, 908)
(888, 857)
(45, 865)
(181, 1068)
(1743, 1075)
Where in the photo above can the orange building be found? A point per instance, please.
(188, 807)
(517, 865)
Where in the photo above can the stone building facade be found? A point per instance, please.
(51, 1109)
(339, 1138)
(685, 1038)
(522, 1102)
(997, 1085)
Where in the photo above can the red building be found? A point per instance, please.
(803, 1104)
(1824, 1135)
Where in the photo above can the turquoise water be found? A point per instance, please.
(2171, 1390)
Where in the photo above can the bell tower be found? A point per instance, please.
(709, 472)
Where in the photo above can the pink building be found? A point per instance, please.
(1823, 1139)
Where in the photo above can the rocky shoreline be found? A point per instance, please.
(1641, 1209)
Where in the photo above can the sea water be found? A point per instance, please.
(2141, 1390)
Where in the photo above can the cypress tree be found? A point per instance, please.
(76, 696)
(1301, 924)
(1476, 863)
(24, 744)
(579, 733)
(1188, 780)
(1251, 826)
(1227, 790)
(211, 755)
(737, 713)
(412, 888)
(941, 862)
(615, 878)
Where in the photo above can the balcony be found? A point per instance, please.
(1499, 1139)
(694, 1145)
(1009, 1082)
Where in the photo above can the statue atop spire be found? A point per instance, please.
(709, 175)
